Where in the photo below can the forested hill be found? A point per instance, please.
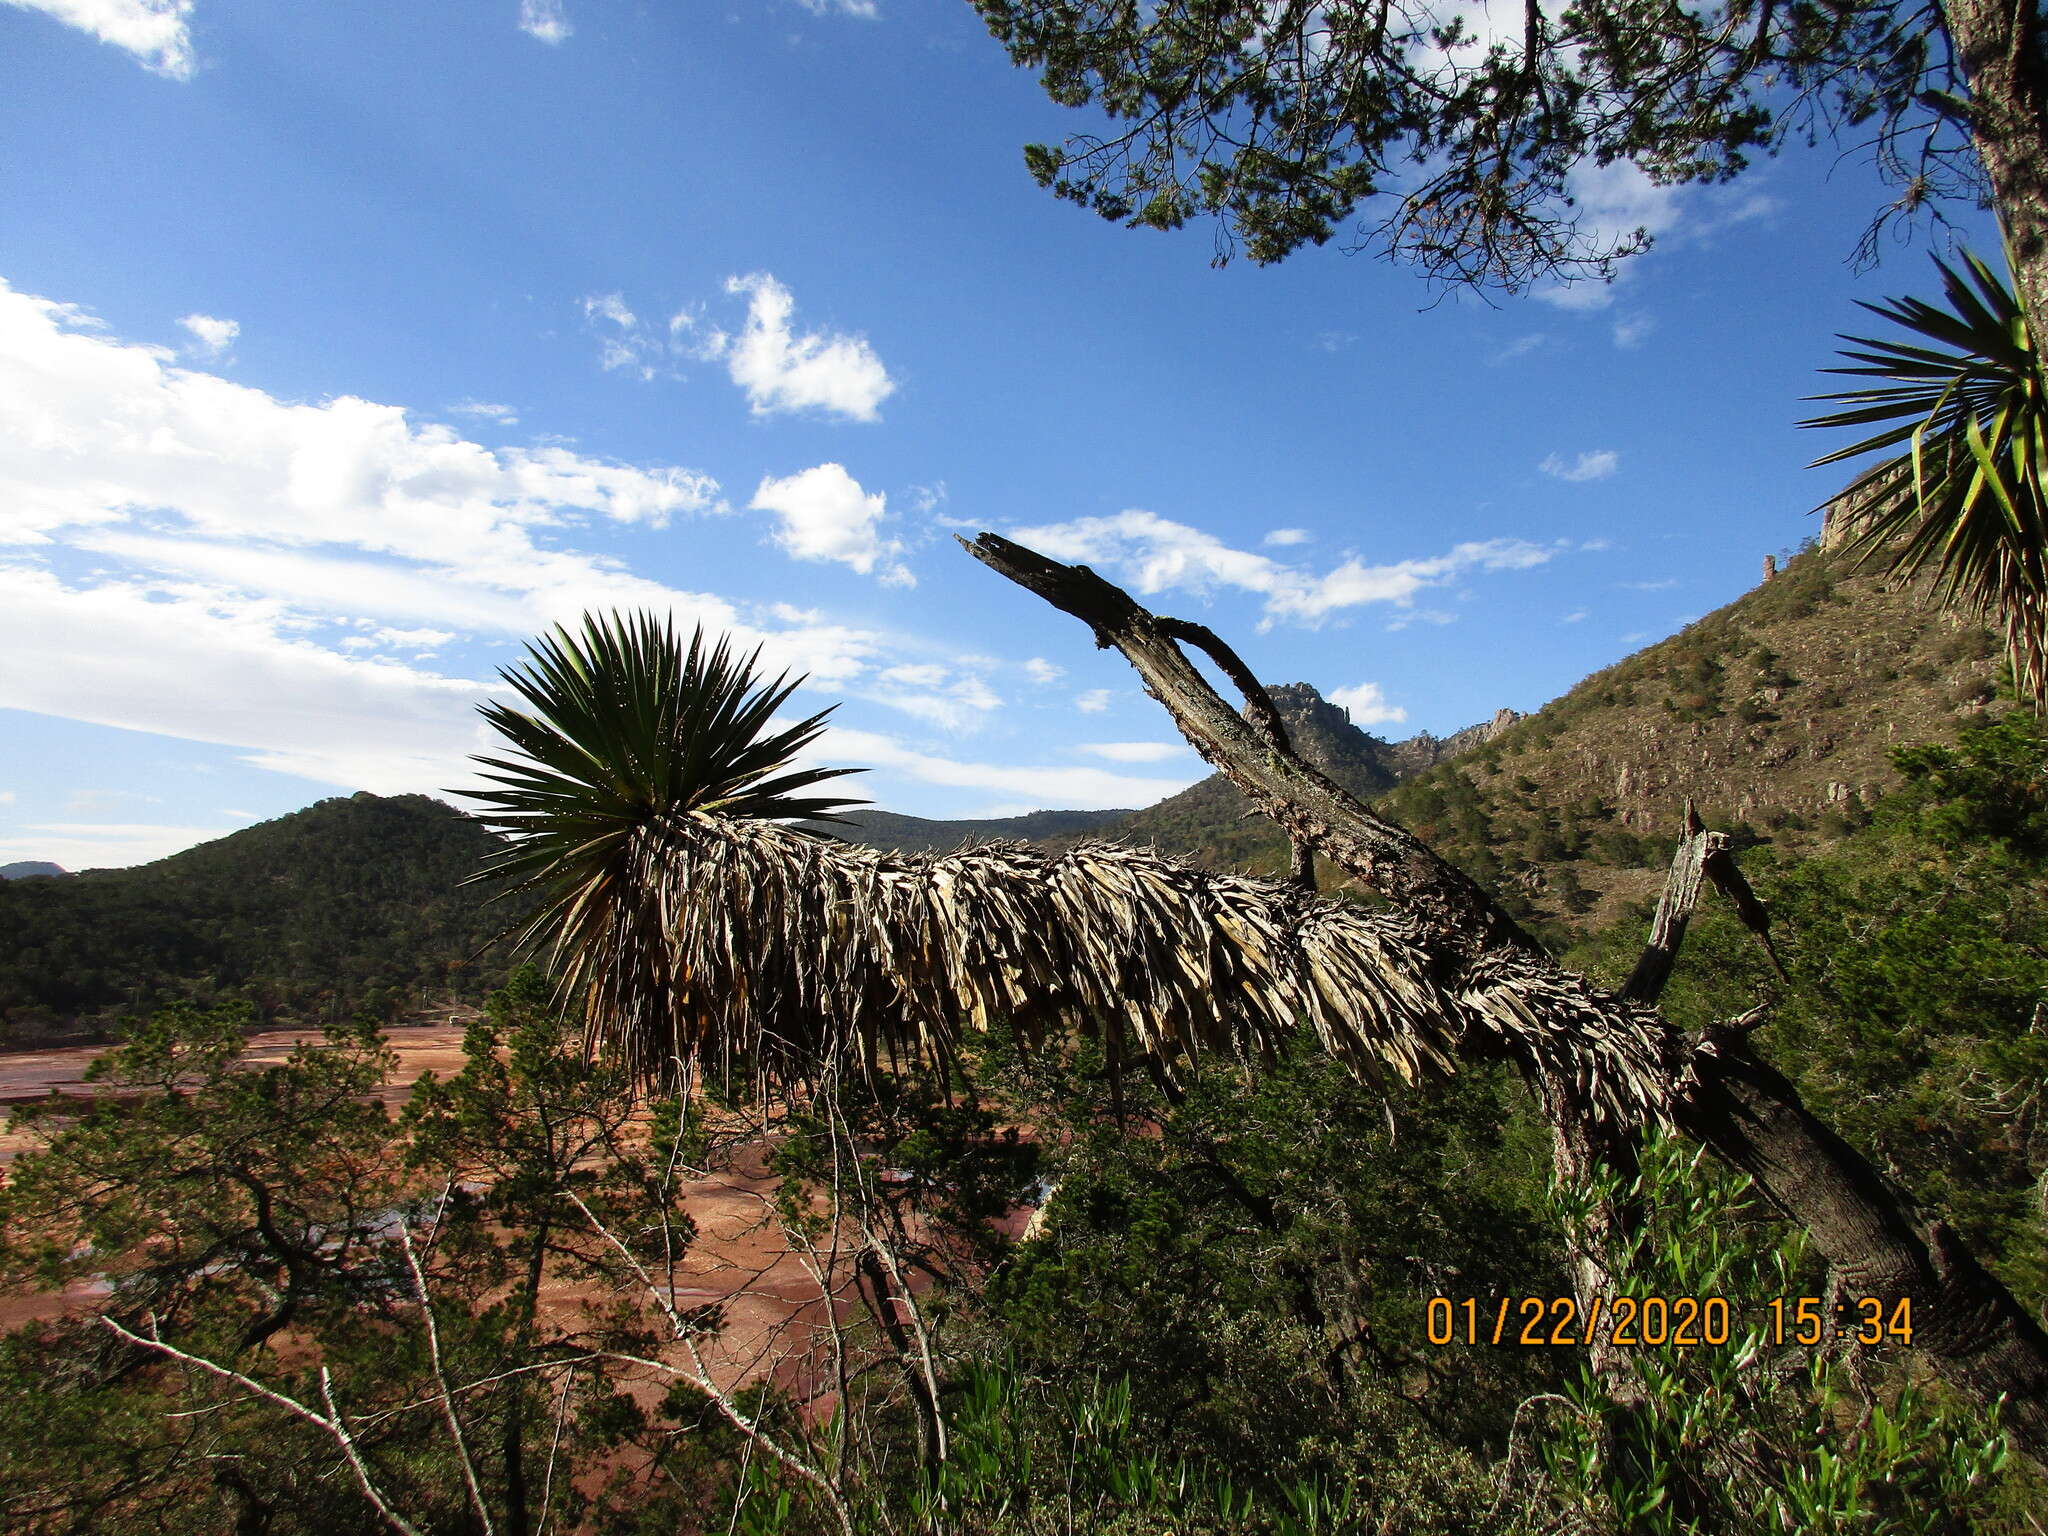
(353, 902)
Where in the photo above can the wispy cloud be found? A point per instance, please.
(1134, 751)
(484, 410)
(1521, 346)
(545, 20)
(623, 343)
(863, 10)
(1648, 586)
(1157, 554)
(1041, 671)
(211, 336)
(1576, 616)
(101, 845)
(1630, 333)
(1284, 537)
(1093, 702)
(1596, 465)
(154, 31)
(1035, 786)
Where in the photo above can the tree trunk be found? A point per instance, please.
(1999, 47)
(1717, 1091)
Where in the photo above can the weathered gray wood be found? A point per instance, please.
(1717, 1089)
(1696, 844)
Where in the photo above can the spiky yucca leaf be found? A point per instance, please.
(1965, 501)
(625, 730)
(796, 952)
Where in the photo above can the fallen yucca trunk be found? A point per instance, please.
(733, 937)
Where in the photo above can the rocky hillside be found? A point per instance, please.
(1207, 822)
(1774, 715)
(29, 867)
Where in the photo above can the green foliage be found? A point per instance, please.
(275, 1221)
(1254, 1276)
(1762, 1433)
(1283, 121)
(628, 726)
(1967, 500)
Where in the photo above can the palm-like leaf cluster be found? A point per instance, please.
(1965, 501)
(690, 928)
(625, 730)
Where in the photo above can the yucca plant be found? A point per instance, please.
(685, 922)
(627, 734)
(1965, 501)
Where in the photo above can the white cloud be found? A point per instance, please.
(1629, 334)
(961, 705)
(783, 371)
(825, 515)
(1134, 751)
(1649, 586)
(1157, 554)
(1094, 701)
(1036, 786)
(928, 498)
(1368, 705)
(1521, 346)
(91, 802)
(612, 307)
(153, 30)
(622, 342)
(483, 410)
(1436, 616)
(1576, 616)
(210, 335)
(1612, 202)
(92, 429)
(1596, 465)
(209, 669)
(1039, 670)
(865, 10)
(239, 540)
(101, 845)
(1287, 536)
(545, 20)
(915, 675)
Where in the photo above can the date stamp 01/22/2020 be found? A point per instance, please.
(1652, 1321)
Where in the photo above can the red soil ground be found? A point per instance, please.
(774, 1309)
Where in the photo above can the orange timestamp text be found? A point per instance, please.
(1650, 1321)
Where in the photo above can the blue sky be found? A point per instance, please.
(345, 345)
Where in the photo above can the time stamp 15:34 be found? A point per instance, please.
(1651, 1321)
